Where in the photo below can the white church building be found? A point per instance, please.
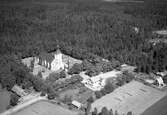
(51, 61)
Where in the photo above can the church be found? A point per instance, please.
(52, 61)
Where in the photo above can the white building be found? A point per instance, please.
(76, 104)
(19, 91)
(98, 82)
(52, 61)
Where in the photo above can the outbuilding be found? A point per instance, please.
(77, 104)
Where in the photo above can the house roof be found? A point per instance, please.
(76, 103)
(126, 67)
(106, 75)
(134, 96)
(19, 91)
(161, 32)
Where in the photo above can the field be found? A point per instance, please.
(4, 99)
(134, 97)
(157, 109)
(44, 108)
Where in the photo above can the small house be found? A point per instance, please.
(77, 104)
(19, 91)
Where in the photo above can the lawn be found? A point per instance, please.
(135, 97)
(4, 99)
(44, 108)
(158, 108)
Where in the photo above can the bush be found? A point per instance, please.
(42, 93)
(108, 88)
(76, 69)
(51, 96)
(98, 94)
(62, 74)
(14, 99)
(165, 79)
(90, 100)
(129, 113)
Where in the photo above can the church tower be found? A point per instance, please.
(57, 63)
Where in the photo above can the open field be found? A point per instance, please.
(157, 109)
(44, 108)
(4, 99)
(130, 1)
(134, 96)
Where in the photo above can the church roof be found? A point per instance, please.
(58, 51)
(49, 57)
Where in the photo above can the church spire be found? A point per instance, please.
(58, 50)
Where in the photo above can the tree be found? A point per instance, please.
(93, 71)
(51, 93)
(95, 112)
(39, 74)
(37, 84)
(108, 88)
(129, 113)
(8, 80)
(98, 94)
(14, 99)
(104, 111)
(111, 112)
(76, 69)
(127, 76)
(116, 112)
(32, 64)
(88, 108)
(86, 65)
(120, 81)
(67, 99)
(53, 77)
(165, 79)
(90, 100)
(62, 74)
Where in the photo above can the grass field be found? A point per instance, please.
(135, 97)
(4, 99)
(44, 108)
(158, 108)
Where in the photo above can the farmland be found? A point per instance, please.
(4, 99)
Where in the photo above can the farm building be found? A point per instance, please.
(134, 96)
(96, 83)
(19, 91)
(76, 104)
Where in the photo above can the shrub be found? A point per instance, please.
(98, 94)
(14, 99)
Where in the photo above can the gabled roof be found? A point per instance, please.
(76, 103)
(58, 51)
(18, 90)
(49, 57)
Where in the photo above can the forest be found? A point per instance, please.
(86, 29)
